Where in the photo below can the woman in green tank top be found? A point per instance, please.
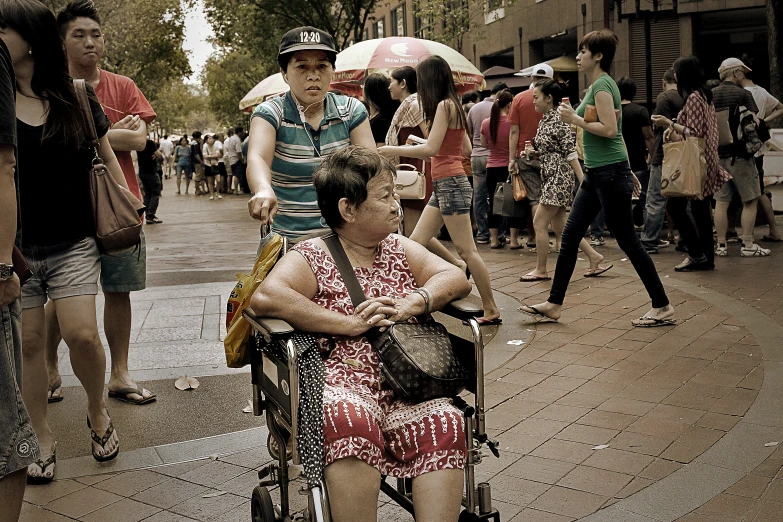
(608, 183)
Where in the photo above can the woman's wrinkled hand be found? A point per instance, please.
(374, 312)
(408, 307)
(263, 206)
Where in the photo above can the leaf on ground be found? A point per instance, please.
(186, 383)
(249, 407)
(516, 342)
(214, 457)
(214, 494)
(771, 444)
(602, 446)
(624, 259)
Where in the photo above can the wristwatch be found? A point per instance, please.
(6, 271)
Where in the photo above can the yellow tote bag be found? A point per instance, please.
(684, 170)
(238, 334)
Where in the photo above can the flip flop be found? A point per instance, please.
(769, 239)
(123, 395)
(512, 247)
(499, 245)
(39, 477)
(101, 441)
(651, 322)
(537, 314)
(55, 392)
(489, 322)
(531, 278)
(594, 272)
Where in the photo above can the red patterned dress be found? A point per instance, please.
(699, 119)
(361, 419)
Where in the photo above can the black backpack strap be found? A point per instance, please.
(346, 270)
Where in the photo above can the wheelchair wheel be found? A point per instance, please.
(466, 516)
(261, 508)
(274, 449)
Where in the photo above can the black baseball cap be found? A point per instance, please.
(306, 39)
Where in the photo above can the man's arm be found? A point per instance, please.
(130, 133)
(7, 203)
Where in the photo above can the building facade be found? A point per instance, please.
(652, 33)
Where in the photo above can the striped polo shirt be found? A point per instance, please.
(298, 151)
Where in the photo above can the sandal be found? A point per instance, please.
(55, 392)
(101, 441)
(538, 315)
(650, 322)
(595, 272)
(123, 395)
(38, 477)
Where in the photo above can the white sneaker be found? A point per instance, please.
(220, 197)
(211, 197)
(722, 250)
(754, 251)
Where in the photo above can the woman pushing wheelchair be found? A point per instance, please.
(368, 431)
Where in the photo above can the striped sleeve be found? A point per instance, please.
(271, 112)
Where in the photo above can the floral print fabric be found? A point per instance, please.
(557, 146)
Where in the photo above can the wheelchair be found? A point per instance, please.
(276, 386)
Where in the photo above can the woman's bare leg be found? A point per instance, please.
(427, 227)
(437, 496)
(461, 234)
(353, 487)
(35, 376)
(544, 215)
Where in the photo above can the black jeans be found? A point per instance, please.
(608, 187)
(698, 239)
(152, 187)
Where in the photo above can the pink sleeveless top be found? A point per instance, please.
(448, 162)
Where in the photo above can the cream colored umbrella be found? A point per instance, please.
(267, 88)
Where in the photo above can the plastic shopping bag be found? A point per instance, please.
(684, 171)
(238, 334)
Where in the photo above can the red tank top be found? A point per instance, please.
(448, 161)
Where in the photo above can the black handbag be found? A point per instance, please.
(417, 361)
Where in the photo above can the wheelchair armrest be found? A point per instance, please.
(462, 309)
(267, 326)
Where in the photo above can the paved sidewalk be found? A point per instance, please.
(688, 414)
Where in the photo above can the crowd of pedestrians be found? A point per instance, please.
(582, 166)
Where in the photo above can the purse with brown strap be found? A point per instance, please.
(116, 211)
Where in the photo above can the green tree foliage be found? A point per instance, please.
(143, 41)
(228, 76)
(448, 21)
(176, 104)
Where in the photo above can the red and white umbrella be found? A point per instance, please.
(384, 55)
(267, 88)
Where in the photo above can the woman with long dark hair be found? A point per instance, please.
(696, 119)
(182, 155)
(408, 121)
(380, 104)
(556, 146)
(58, 229)
(608, 184)
(450, 203)
(494, 136)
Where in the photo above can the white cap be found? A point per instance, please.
(732, 63)
(544, 70)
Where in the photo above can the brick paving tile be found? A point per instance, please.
(712, 376)
(735, 403)
(620, 461)
(242, 485)
(539, 469)
(521, 443)
(213, 473)
(725, 505)
(132, 482)
(31, 513)
(524, 378)
(131, 511)
(771, 511)
(621, 343)
(515, 490)
(504, 421)
(638, 443)
(535, 426)
(238, 514)
(176, 470)
(601, 336)
(718, 421)
(91, 480)
(559, 356)
(168, 516)
(775, 490)
(534, 515)
(547, 395)
(769, 468)
(252, 458)
(639, 392)
(607, 389)
(567, 384)
(568, 502)
(676, 413)
(754, 379)
(749, 486)
(635, 486)
(607, 419)
(579, 371)
(82, 502)
(657, 427)
(207, 509)
(587, 434)
(561, 412)
(169, 493)
(593, 480)
(582, 349)
(626, 406)
(41, 495)
(567, 451)
(584, 400)
(547, 368)
(691, 444)
(695, 517)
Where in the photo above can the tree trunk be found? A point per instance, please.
(775, 46)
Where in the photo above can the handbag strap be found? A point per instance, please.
(346, 270)
(81, 94)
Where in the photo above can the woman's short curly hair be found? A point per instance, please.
(346, 174)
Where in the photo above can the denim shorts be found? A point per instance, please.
(18, 445)
(126, 271)
(60, 271)
(452, 195)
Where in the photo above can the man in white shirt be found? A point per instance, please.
(232, 152)
(167, 148)
(770, 108)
